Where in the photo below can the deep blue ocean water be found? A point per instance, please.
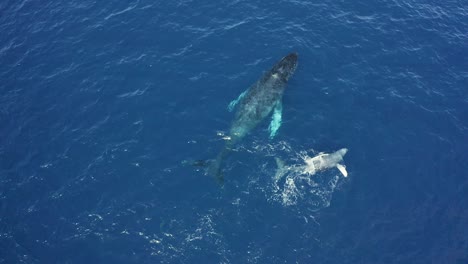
(103, 105)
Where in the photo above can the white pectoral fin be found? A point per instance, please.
(276, 120)
(342, 169)
(233, 104)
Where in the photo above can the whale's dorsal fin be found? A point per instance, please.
(233, 104)
(276, 119)
(342, 169)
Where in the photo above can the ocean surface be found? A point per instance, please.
(106, 105)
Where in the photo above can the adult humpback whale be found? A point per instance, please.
(253, 105)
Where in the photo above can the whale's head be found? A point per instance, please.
(342, 152)
(285, 67)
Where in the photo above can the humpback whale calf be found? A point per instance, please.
(254, 105)
(312, 165)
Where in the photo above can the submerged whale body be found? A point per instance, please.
(255, 104)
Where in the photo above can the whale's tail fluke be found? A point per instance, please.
(215, 168)
(212, 167)
(281, 169)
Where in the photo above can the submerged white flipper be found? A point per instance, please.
(276, 120)
(342, 169)
(233, 104)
